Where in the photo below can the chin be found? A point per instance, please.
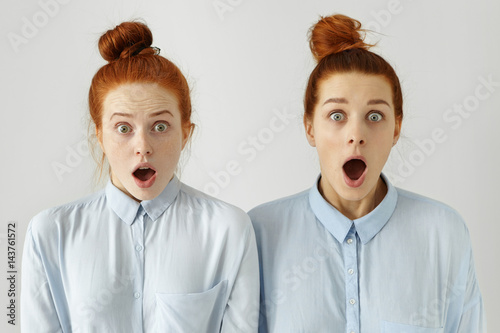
(148, 194)
(357, 194)
(141, 194)
(354, 193)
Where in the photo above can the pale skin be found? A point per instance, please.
(141, 126)
(354, 117)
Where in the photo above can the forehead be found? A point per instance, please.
(138, 98)
(355, 87)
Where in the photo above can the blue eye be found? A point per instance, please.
(161, 127)
(123, 129)
(337, 116)
(375, 117)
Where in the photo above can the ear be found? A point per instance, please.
(397, 131)
(308, 125)
(98, 134)
(187, 132)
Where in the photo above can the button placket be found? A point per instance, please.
(138, 246)
(351, 281)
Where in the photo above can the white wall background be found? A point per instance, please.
(248, 62)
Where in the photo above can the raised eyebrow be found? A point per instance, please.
(152, 115)
(120, 114)
(336, 100)
(377, 101)
(159, 113)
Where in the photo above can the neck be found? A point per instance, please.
(355, 209)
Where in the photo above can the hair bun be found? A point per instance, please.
(125, 40)
(334, 34)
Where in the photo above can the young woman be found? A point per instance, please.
(354, 253)
(147, 253)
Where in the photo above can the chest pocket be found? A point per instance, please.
(198, 312)
(388, 327)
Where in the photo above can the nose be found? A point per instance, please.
(142, 145)
(356, 141)
(356, 134)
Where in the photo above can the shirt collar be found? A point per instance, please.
(127, 208)
(339, 225)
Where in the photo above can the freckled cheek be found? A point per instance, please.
(329, 144)
(116, 147)
(165, 144)
(329, 155)
(167, 153)
(384, 141)
(382, 151)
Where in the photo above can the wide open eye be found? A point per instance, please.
(337, 116)
(161, 127)
(124, 129)
(375, 117)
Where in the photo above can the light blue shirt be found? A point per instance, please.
(406, 267)
(182, 262)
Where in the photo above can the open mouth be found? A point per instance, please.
(144, 174)
(354, 168)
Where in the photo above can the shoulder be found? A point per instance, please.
(429, 211)
(50, 219)
(278, 210)
(419, 201)
(279, 206)
(212, 209)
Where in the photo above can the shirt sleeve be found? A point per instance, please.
(38, 312)
(473, 317)
(242, 310)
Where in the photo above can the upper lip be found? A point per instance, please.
(355, 157)
(143, 165)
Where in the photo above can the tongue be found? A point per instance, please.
(144, 174)
(354, 169)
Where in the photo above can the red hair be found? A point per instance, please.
(338, 46)
(127, 48)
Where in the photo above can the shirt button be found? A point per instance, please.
(349, 241)
(138, 248)
(350, 271)
(137, 295)
(352, 301)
